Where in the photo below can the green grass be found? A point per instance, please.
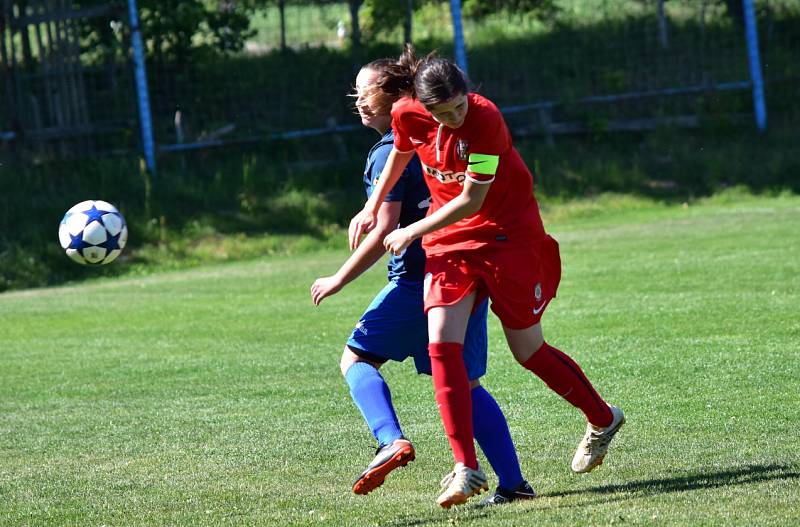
(211, 396)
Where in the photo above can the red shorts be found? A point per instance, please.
(520, 281)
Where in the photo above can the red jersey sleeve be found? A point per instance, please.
(402, 140)
(488, 144)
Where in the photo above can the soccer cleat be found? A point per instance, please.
(594, 445)
(396, 454)
(502, 495)
(461, 484)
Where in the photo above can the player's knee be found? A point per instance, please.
(348, 359)
(524, 342)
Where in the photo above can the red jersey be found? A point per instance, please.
(480, 149)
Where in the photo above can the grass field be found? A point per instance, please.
(212, 396)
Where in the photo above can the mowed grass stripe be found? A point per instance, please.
(212, 396)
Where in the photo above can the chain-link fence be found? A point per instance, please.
(636, 69)
(584, 66)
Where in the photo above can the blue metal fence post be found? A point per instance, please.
(754, 59)
(458, 35)
(142, 96)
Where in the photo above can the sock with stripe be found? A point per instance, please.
(372, 396)
(565, 377)
(494, 438)
(451, 388)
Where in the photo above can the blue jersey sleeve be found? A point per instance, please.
(379, 158)
(411, 191)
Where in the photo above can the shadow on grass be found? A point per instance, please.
(463, 514)
(744, 475)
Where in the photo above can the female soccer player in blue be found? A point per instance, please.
(394, 325)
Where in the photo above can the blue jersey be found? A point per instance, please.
(411, 190)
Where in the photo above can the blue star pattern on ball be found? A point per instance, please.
(94, 214)
(77, 242)
(112, 242)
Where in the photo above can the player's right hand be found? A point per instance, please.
(361, 224)
(324, 287)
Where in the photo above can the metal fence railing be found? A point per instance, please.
(621, 65)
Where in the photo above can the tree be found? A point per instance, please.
(355, 33)
(175, 30)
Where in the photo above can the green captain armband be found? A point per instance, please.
(483, 164)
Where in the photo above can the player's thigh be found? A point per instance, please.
(449, 323)
(450, 292)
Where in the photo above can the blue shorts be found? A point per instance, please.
(394, 327)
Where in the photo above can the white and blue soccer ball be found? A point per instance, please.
(93, 232)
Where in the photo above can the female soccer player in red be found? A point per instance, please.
(483, 236)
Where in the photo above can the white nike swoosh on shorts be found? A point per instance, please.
(538, 310)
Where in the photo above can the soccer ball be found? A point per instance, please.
(93, 232)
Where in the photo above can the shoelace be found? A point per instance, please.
(447, 479)
(498, 498)
(596, 438)
(459, 478)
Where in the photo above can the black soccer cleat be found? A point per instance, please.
(501, 495)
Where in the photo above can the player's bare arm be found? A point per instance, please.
(465, 204)
(365, 221)
(363, 257)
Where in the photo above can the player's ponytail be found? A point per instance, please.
(397, 80)
(432, 80)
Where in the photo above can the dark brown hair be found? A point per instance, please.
(432, 80)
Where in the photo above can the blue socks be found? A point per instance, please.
(371, 394)
(491, 432)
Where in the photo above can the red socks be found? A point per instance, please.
(565, 377)
(451, 386)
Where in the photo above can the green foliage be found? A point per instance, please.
(542, 9)
(383, 16)
(173, 30)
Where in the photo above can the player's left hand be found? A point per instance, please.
(361, 224)
(398, 241)
(324, 287)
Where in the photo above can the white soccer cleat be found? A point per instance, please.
(460, 485)
(594, 445)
